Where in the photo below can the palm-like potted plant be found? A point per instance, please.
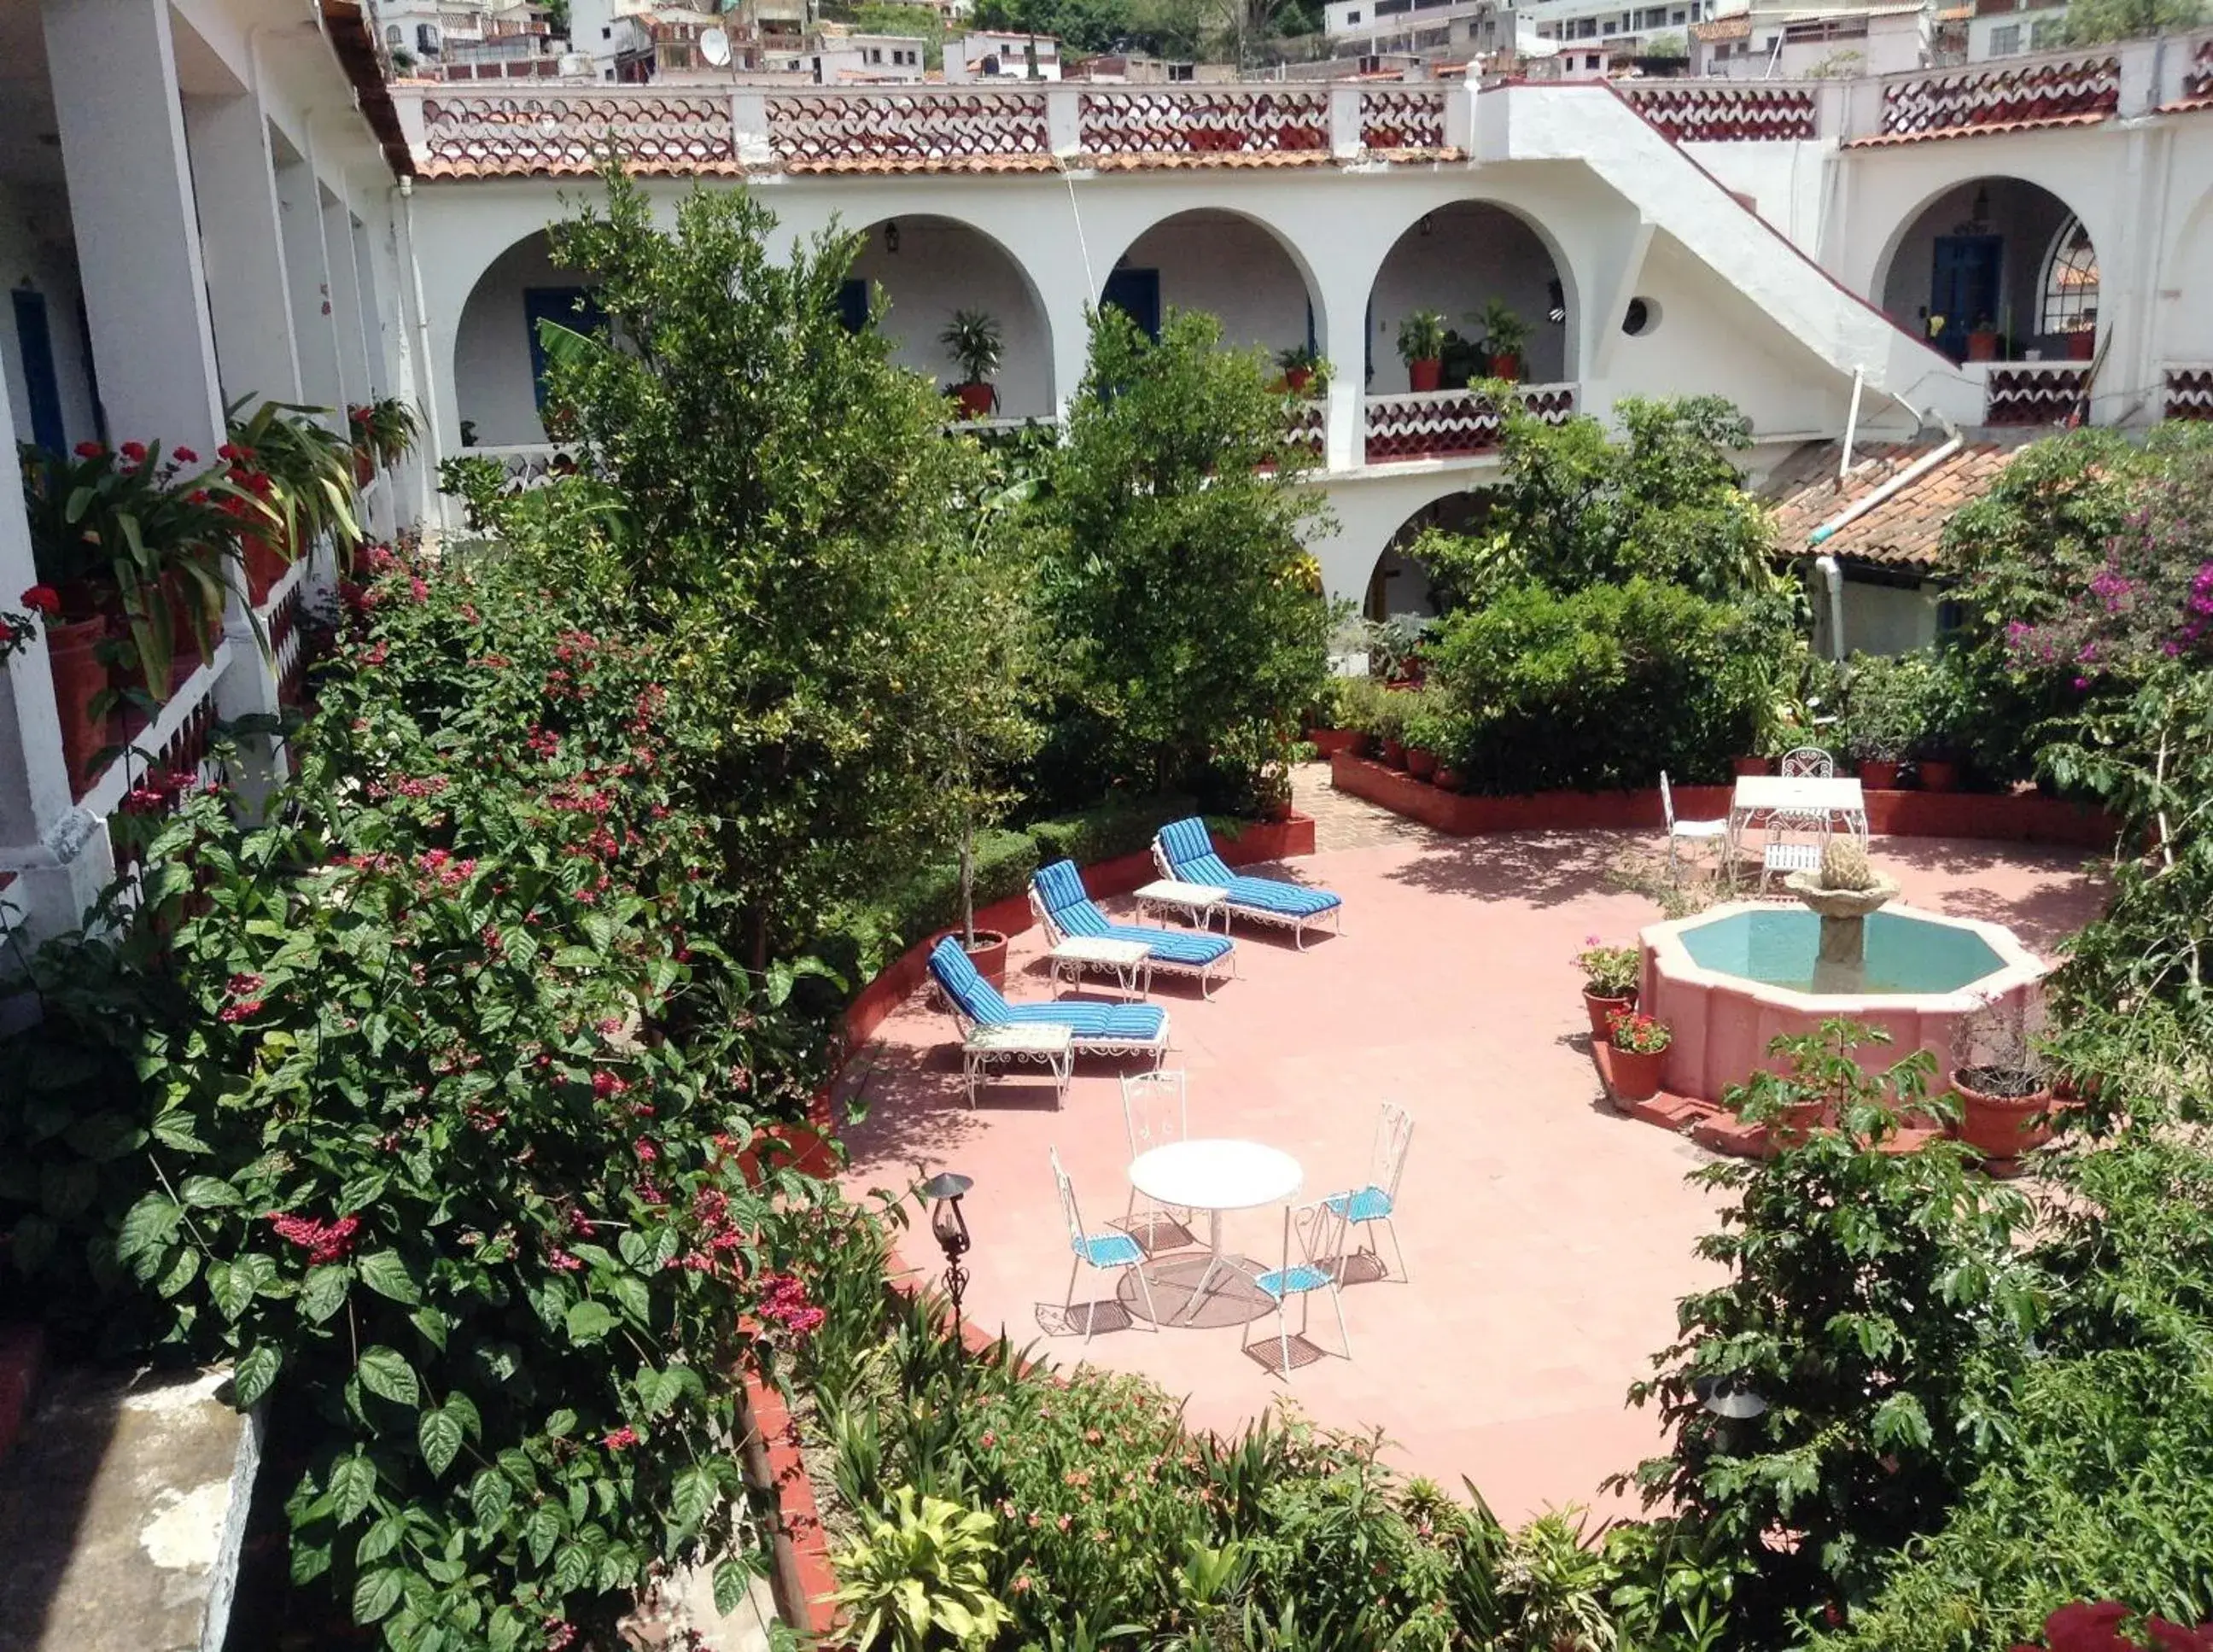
(971, 339)
(303, 474)
(384, 432)
(1422, 347)
(1300, 362)
(1504, 335)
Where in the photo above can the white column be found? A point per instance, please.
(345, 301)
(137, 236)
(59, 855)
(242, 242)
(1344, 321)
(300, 204)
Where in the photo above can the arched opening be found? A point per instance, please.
(1401, 584)
(930, 269)
(1471, 264)
(498, 368)
(1996, 269)
(1227, 265)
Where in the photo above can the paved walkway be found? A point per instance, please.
(1548, 1238)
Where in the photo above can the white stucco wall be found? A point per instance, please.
(1232, 268)
(942, 266)
(1784, 182)
(491, 356)
(36, 256)
(1472, 254)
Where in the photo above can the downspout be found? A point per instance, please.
(1851, 426)
(1833, 575)
(426, 372)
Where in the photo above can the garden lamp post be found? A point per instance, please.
(1734, 1402)
(950, 1229)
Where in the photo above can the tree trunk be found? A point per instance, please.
(968, 887)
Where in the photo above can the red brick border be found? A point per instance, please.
(2011, 817)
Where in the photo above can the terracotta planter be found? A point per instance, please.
(1751, 765)
(2083, 346)
(1797, 1122)
(976, 399)
(2002, 1126)
(1506, 366)
(1421, 763)
(1630, 1075)
(1449, 779)
(1982, 346)
(1426, 375)
(265, 564)
(1878, 776)
(1599, 1008)
(1328, 742)
(1394, 754)
(1939, 774)
(1297, 379)
(364, 467)
(989, 955)
(79, 676)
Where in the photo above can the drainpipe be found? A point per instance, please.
(1851, 426)
(1831, 573)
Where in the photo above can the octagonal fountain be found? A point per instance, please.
(1732, 978)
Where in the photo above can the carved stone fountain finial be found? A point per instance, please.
(1842, 893)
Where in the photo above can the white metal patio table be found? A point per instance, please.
(1130, 960)
(1050, 1043)
(1215, 1175)
(1198, 902)
(1759, 797)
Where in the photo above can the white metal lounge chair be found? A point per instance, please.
(1059, 898)
(1184, 850)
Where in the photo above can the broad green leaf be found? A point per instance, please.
(490, 1495)
(254, 1373)
(590, 1321)
(732, 1578)
(439, 1434)
(151, 1224)
(386, 1372)
(382, 1537)
(385, 1273)
(353, 1483)
(325, 1292)
(374, 1595)
(695, 1495)
(208, 1193)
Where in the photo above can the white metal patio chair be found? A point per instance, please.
(1686, 832)
(1795, 841)
(1808, 763)
(1156, 1111)
(1313, 1267)
(1377, 1199)
(1105, 1252)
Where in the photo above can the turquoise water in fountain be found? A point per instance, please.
(1903, 955)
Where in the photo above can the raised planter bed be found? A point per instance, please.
(2010, 817)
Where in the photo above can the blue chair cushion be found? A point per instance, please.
(1191, 853)
(1173, 946)
(1108, 1250)
(1131, 1023)
(977, 998)
(1060, 888)
(1368, 1204)
(1280, 1282)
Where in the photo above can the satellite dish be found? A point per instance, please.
(714, 47)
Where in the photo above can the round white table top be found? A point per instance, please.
(1217, 1175)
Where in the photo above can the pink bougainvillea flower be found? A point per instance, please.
(2088, 1626)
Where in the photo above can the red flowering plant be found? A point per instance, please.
(1638, 1034)
(16, 630)
(436, 1088)
(2097, 1626)
(136, 535)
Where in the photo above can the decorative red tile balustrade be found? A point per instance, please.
(559, 135)
(2190, 392)
(2197, 81)
(1287, 127)
(1710, 113)
(1403, 119)
(1451, 423)
(2036, 393)
(908, 131)
(2054, 93)
(288, 645)
(1309, 427)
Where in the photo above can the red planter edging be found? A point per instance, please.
(1328, 742)
(799, 1518)
(2012, 817)
(22, 1351)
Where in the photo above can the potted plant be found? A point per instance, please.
(1609, 981)
(1982, 341)
(2082, 341)
(1882, 715)
(302, 476)
(1336, 723)
(1300, 364)
(384, 432)
(971, 339)
(2005, 1099)
(1504, 335)
(1635, 1047)
(1388, 724)
(1422, 347)
(1944, 717)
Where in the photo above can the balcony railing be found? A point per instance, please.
(2036, 393)
(2189, 390)
(2004, 97)
(1451, 423)
(1691, 111)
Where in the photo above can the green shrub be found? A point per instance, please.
(1600, 688)
(1890, 704)
(931, 899)
(1122, 825)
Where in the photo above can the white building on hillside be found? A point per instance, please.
(868, 59)
(1001, 56)
(1796, 43)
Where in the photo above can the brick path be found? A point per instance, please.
(1343, 821)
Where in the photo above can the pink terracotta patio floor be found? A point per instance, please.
(1548, 1238)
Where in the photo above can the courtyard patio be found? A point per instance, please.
(1548, 1237)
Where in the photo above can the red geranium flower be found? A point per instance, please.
(89, 450)
(185, 456)
(43, 599)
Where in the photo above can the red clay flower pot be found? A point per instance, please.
(1424, 376)
(1394, 754)
(2082, 346)
(1632, 1074)
(1798, 1120)
(1751, 765)
(1939, 774)
(1878, 776)
(1421, 763)
(364, 467)
(1449, 779)
(989, 955)
(2003, 1126)
(1506, 366)
(1600, 1008)
(1982, 346)
(1328, 742)
(1297, 379)
(975, 399)
(265, 564)
(79, 676)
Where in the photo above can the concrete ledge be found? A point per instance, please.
(122, 1514)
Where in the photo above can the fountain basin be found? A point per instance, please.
(1730, 979)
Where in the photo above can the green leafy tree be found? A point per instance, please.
(1870, 1296)
(2093, 22)
(789, 505)
(920, 23)
(1190, 612)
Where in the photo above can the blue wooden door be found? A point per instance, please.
(1136, 294)
(1963, 287)
(35, 339)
